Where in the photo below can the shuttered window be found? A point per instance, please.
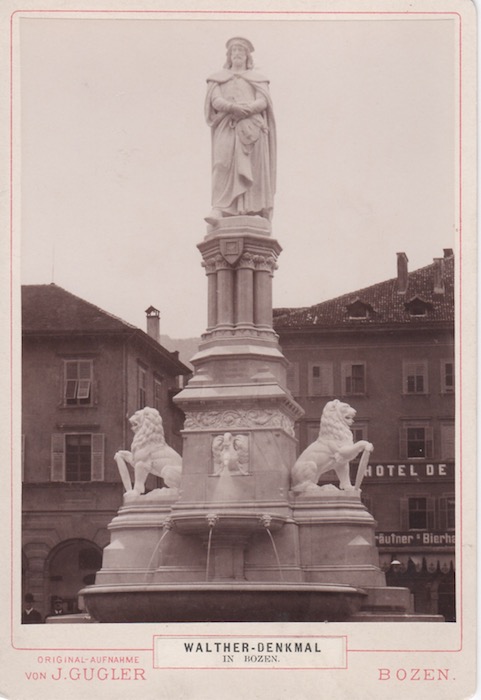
(320, 379)
(447, 441)
(141, 387)
(77, 457)
(447, 513)
(78, 382)
(447, 376)
(415, 377)
(353, 378)
(158, 395)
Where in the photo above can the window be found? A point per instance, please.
(418, 514)
(77, 457)
(416, 440)
(353, 378)
(447, 376)
(359, 430)
(158, 395)
(293, 378)
(417, 307)
(359, 309)
(447, 441)
(321, 379)
(447, 512)
(141, 387)
(78, 382)
(415, 377)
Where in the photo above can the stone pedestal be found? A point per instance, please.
(336, 539)
(233, 543)
(239, 440)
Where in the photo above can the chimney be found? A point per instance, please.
(402, 273)
(438, 276)
(153, 323)
(448, 252)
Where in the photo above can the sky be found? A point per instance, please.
(114, 159)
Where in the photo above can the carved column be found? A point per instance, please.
(245, 291)
(225, 294)
(212, 291)
(265, 266)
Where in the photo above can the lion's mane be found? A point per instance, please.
(150, 430)
(333, 423)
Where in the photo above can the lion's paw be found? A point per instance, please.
(132, 493)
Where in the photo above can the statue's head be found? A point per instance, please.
(236, 43)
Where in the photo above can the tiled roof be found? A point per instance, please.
(385, 305)
(47, 307)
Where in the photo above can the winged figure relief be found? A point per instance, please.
(231, 454)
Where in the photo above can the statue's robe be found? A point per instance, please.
(243, 150)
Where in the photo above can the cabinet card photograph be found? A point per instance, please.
(239, 305)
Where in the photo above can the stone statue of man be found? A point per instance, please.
(239, 111)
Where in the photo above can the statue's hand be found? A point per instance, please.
(241, 110)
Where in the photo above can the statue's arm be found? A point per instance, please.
(219, 103)
(259, 105)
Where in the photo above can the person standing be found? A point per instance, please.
(30, 616)
(57, 606)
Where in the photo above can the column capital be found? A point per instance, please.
(267, 263)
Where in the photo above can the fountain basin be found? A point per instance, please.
(222, 602)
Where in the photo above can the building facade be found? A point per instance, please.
(388, 351)
(84, 373)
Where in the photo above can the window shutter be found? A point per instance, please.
(447, 441)
(404, 513)
(321, 379)
(428, 436)
(403, 443)
(293, 378)
(97, 457)
(443, 513)
(57, 467)
(83, 389)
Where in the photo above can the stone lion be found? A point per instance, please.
(149, 454)
(333, 449)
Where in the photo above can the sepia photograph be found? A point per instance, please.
(240, 300)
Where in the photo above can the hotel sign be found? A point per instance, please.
(425, 538)
(408, 471)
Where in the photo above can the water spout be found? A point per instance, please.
(266, 520)
(166, 527)
(212, 519)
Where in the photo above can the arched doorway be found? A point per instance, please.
(71, 565)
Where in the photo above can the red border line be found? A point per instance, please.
(460, 165)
